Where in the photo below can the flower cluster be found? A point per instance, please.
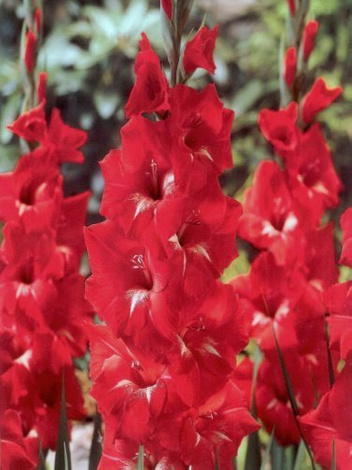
(327, 427)
(283, 295)
(41, 291)
(163, 363)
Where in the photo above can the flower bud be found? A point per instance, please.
(310, 32)
(292, 7)
(41, 91)
(38, 20)
(290, 66)
(29, 52)
(166, 5)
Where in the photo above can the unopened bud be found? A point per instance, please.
(41, 92)
(292, 7)
(29, 52)
(290, 66)
(310, 32)
(38, 20)
(167, 6)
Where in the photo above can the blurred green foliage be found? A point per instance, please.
(89, 48)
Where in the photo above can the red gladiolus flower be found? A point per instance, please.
(338, 300)
(199, 51)
(32, 192)
(162, 366)
(290, 66)
(62, 140)
(279, 128)
(329, 425)
(139, 179)
(65, 140)
(150, 78)
(317, 99)
(346, 225)
(265, 307)
(128, 277)
(16, 450)
(268, 225)
(272, 399)
(214, 428)
(310, 31)
(31, 125)
(128, 385)
(41, 301)
(311, 174)
(201, 127)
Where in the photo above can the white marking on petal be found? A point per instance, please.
(200, 250)
(24, 359)
(222, 436)
(123, 383)
(204, 151)
(137, 296)
(272, 404)
(175, 241)
(169, 184)
(320, 188)
(312, 358)
(290, 222)
(143, 203)
(208, 347)
(23, 289)
(260, 319)
(148, 393)
(283, 310)
(268, 229)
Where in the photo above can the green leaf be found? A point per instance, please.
(253, 456)
(63, 456)
(95, 448)
(299, 456)
(106, 103)
(41, 458)
(330, 363)
(217, 460)
(266, 455)
(333, 459)
(140, 461)
(277, 456)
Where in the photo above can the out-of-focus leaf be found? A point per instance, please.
(333, 458)
(63, 456)
(217, 460)
(300, 456)
(239, 266)
(140, 461)
(8, 114)
(59, 51)
(277, 456)
(253, 456)
(106, 103)
(95, 449)
(247, 96)
(266, 456)
(41, 459)
(9, 156)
